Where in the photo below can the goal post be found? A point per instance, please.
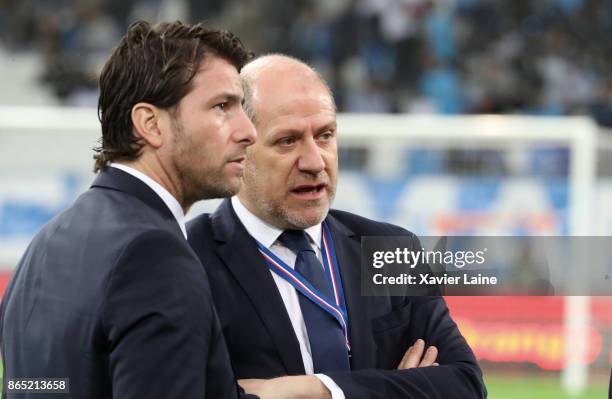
(387, 135)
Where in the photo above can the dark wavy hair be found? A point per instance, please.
(153, 64)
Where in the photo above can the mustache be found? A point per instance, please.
(311, 179)
(237, 156)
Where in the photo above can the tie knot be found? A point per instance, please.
(295, 240)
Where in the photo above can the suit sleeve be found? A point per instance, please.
(458, 375)
(160, 323)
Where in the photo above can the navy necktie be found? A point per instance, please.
(326, 338)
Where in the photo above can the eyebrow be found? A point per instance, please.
(332, 125)
(293, 131)
(328, 126)
(229, 97)
(284, 131)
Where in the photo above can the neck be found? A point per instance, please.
(161, 175)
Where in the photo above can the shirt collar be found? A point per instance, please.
(264, 232)
(169, 200)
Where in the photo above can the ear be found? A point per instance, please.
(147, 123)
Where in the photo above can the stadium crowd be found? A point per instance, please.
(435, 56)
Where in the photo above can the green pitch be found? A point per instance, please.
(505, 387)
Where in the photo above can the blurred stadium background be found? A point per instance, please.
(411, 78)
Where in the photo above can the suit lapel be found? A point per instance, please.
(348, 253)
(240, 255)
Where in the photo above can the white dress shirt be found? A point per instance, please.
(268, 236)
(169, 200)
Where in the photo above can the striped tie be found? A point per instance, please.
(325, 334)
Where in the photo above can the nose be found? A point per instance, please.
(311, 159)
(244, 130)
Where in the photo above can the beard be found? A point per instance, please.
(297, 220)
(274, 211)
(204, 183)
(200, 178)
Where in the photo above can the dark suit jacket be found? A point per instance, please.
(110, 295)
(261, 340)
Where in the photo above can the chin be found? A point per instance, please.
(217, 191)
(231, 190)
(232, 183)
(233, 186)
(302, 220)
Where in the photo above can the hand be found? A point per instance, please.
(412, 357)
(253, 386)
(294, 387)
